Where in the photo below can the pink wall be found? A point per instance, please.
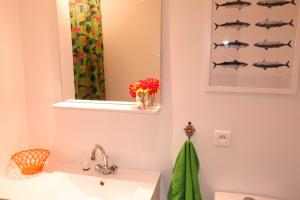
(264, 157)
(41, 67)
(12, 108)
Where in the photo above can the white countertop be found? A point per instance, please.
(64, 181)
(150, 177)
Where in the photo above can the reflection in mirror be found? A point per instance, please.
(106, 45)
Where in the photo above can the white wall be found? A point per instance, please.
(13, 135)
(41, 61)
(264, 157)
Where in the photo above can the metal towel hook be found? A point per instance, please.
(189, 130)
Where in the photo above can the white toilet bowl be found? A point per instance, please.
(235, 196)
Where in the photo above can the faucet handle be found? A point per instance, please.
(104, 170)
(113, 168)
(99, 167)
(93, 156)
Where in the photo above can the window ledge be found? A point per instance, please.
(110, 106)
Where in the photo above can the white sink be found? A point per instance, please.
(30, 188)
(69, 182)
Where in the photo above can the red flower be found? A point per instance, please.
(76, 30)
(96, 17)
(94, 58)
(78, 1)
(152, 84)
(80, 55)
(75, 62)
(133, 88)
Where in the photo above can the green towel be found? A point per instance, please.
(184, 183)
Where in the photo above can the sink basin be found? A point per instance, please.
(87, 187)
(69, 182)
(30, 188)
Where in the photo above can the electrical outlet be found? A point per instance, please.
(222, 138)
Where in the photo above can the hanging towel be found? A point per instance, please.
(184, 184)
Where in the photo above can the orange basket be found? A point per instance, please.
(31, 161)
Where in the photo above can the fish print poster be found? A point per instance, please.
(252, 43)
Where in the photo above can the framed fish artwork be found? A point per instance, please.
(254, 46)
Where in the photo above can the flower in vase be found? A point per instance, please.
(153, 85)
(150, 84)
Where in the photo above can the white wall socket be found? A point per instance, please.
(222, 138)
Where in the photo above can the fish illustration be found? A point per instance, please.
(274, 3)
(234, 4)
(268, 44)
(273, 24)
(236, 25)
(234, 44)
(268, 64)
(231, 64)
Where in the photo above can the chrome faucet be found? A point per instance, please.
(105, 168)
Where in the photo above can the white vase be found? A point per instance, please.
(142, 100)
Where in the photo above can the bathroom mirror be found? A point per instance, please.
(105, 45)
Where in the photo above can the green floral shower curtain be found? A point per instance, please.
(87, 41)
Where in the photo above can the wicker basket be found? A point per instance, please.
(31, 161)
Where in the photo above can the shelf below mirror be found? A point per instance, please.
(110, 106)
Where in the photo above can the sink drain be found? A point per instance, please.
(102, 184)
(249, 198)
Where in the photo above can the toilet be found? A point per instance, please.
(235, 196)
